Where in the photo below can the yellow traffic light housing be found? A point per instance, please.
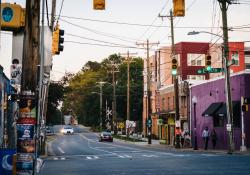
(57, 40)
(12, 17)
(208, 62)
(99, 4)
(179, 7)
(174, 66)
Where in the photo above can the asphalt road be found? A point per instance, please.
(81, 153)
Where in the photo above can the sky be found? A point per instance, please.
(92, 35)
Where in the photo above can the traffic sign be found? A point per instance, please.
(212, 70)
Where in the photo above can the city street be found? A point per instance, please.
(82, 153)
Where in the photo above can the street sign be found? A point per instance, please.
(212, 70)
(229, 127)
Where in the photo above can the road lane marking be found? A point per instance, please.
(108, 147)
(61, 150)
(149, 156)
(88, 157)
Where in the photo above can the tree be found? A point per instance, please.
(81, 94)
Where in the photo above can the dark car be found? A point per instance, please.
(106, 136)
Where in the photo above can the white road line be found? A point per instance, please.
(96, 157)
(89, 158)
(127, 156)
(121, 156)
(61, 150)
(110, 147)
(55, 158)
(149, 156)
(62, 158)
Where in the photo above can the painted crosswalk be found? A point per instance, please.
(128, 156)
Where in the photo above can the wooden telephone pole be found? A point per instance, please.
(149, 107)
(128, 61)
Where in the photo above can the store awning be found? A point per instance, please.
(223, 110)
(214, 107)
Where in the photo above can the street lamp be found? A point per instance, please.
(198, 32)
(194, 101)
(227, 86)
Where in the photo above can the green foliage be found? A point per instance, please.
(82, 91)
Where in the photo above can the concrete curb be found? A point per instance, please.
(156, 145)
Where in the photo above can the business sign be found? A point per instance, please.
(6, 161)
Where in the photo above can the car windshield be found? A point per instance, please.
(67, 127)
(106, 133)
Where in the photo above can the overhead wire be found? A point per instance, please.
(60, 11)
(153, 20)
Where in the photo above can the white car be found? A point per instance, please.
(67, 130)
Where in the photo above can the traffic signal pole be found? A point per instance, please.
(176, 87)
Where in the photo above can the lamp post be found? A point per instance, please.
(194, 101)
(226, 67)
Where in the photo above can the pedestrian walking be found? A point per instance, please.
(214, 138)
(205, 136)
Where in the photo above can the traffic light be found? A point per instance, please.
(244, 107)
(58, 40)
(208, 62)
(174, 66)
(12, 17)
(179, 7)
(149, 122)
(99, 4)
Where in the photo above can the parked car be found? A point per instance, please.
(49, 130)
(67, 130)
(106, 136)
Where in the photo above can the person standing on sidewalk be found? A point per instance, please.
(214, 138)
(205, 136)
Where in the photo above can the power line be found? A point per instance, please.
(60, 11)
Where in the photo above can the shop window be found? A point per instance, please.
(235, 56)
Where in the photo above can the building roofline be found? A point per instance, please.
(247, 71)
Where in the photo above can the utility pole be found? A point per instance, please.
(223, 6)
(176, 83)
(31, 57)
(149, 107)
(114, 69)
(128, 61)
(101, 92)
(53, 11)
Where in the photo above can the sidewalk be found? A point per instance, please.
(157, 145)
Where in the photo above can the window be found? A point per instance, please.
(183, 101)
(195, 59)
(163, 103)
(235, 56)
(218, 121)
(168, 103)
(196, 77)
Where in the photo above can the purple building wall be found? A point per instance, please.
(214, 91)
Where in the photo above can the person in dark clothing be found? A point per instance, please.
(214, 138)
